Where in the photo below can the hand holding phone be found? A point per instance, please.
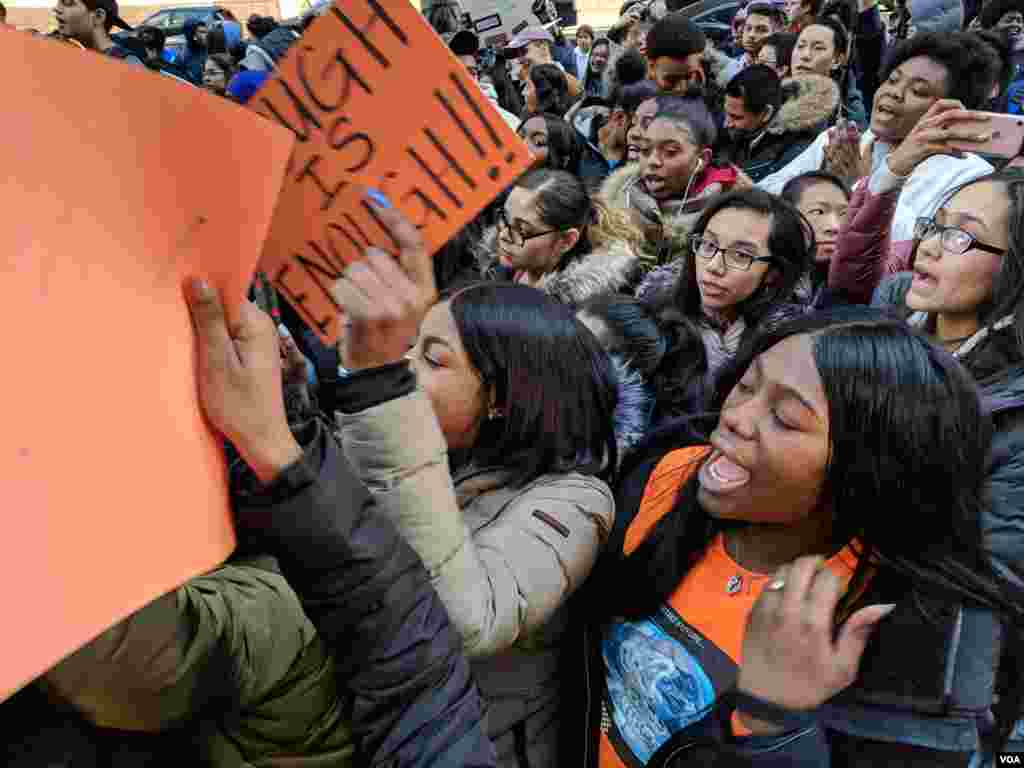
(1006, 135)
(946, 129)
(844, 131)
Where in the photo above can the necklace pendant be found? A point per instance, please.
(734, 585)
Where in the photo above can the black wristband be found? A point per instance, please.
(766, 711)
(365, 389)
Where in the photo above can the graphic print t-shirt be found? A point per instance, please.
(664, 673)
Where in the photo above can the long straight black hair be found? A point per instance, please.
(565, 145)
(899, 409)
(907, 432)
(555, 387)
(1000, 350)
(681, 311)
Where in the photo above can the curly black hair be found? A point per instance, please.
(972, 65)
(674, 37)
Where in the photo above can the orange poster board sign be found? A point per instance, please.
(375, 99)
(117, 183)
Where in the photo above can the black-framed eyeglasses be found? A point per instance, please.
(517, 237)
(952, 239)
(739, 261)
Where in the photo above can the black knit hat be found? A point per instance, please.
(464, 43)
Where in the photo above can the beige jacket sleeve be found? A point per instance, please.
(508, 577)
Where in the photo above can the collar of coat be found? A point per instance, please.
(604, 270)
(807, 102)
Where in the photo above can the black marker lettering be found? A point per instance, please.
(317, 271)
(452, 162)
(362, 233)
(304, 114)
(356, 245)
(378, 14)
(437, 176)
(309, 172)
(339, 144)
(476, 110)
(348, 75)
(459, 122)
(298, 300)
(429, 207)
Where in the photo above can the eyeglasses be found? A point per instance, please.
(952, 239)
(516, 236)
(733, 259)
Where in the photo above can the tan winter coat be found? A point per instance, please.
(504, 560)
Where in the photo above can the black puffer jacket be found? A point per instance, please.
(404, 683)
(414, 702)
(1004, 533)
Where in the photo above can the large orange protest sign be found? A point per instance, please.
(375, 99)
(117, 183)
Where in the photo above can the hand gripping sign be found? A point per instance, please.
(117, 185)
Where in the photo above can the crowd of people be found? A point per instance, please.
(218, 55)
(703, 445)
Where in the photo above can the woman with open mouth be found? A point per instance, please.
(822, 430)
(675, 177)
(964, 290)
(921, 71)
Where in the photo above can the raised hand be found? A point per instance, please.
(240, 381)
(789, 656)
(384, 300)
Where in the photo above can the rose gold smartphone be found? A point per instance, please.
(1007, 138)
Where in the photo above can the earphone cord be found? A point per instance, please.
(693, 177)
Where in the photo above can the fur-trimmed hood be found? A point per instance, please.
(604, 270)
(808, 101)
(937, 15)
(614, 193)
(634, 409)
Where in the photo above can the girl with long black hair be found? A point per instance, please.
(521, 397)
(845, 436)
(744, 258)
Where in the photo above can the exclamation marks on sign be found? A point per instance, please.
(468, 119)
(495, 171)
